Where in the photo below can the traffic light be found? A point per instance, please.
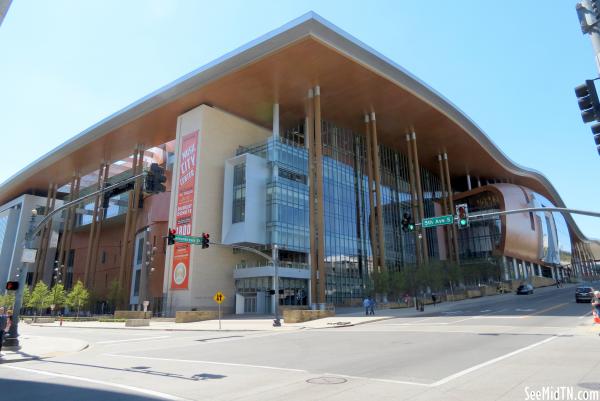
(587, 98)
(12, 285)
(596, 132)
(407, 223)
(462, 212)
(154, 179)
(205, 240)
(171, 236)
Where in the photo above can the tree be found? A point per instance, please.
(58, 296)
(40, 297)
(78, 297)
(7, 300)
(114, 294)
(26, 297)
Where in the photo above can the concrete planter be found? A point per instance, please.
(132, 314)
(186, 316)
(298, 316)
(473, 293)
(137, 322)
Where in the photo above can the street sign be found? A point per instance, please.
(188, 239)
(219, 297)
(437, 221)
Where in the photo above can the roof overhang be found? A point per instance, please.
(280, 67)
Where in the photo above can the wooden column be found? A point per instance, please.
(91, 236)
(377, 176)
(310, 133)
(42, 252)
(451, 204)
(319, 193)
(419, 196)
(72, 224)
(445, 209)
(126, 229)
(413, 198)
(63, 237)
(98, 232)
(372, 217)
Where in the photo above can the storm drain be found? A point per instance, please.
(327, 380)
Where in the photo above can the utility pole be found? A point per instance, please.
(588, 12)
(12, 339)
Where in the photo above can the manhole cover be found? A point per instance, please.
(327, 380)
(590, 386)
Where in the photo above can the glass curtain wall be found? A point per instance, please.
(348, 253)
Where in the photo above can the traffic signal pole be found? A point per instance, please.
(587, 12)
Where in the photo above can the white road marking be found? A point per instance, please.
(585, 315)
(503, 317)
(485, 311)
(524, 310)
(243, 365)
(132, 339)
(104, 383)
(490, 362)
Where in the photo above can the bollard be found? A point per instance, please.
(61, 318)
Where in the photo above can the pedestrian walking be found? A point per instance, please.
(4, 325)
(433, 298)
(371, 306)
(367, 305)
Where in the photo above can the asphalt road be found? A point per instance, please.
(497, 348)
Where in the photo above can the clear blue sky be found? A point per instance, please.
(511, 66)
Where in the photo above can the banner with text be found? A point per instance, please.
(184, 210)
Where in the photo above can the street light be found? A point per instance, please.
(276, 321)
(12, 339)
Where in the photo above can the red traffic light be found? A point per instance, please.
(12, 285)
(171, 236)
(205, 240)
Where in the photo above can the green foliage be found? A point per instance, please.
(40, 297)
(7, 300)
(114, 294)
(26, 296)
(78, 297)
(58, 296)
(381, 282)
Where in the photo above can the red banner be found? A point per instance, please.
(184, 212)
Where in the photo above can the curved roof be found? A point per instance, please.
(280, 67)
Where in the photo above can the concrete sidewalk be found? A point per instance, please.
(344, 317)
(37, 347)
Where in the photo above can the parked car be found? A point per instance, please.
(525, 289)
(584, 294)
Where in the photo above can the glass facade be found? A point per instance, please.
(239, 193)
(348, 253)
(482, 239)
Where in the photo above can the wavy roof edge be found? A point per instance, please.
(309, 24)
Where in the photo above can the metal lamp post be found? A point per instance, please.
(12, 339)
(276, 321)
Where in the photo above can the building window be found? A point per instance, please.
(239, 193)
(103, 257)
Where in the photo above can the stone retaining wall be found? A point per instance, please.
(132, 314)
(298, 316)
(187, 316)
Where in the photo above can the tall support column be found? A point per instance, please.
(63, 237)
(90, 248)
(100, 219)
(413, 198)
(469, 181)
(40, 262)
(275, 120)
(322, 269)
(129, 221)
(69, 239)
(377, 176)
(451, 204)
(312, 207)
(445, 209)
(420, 196)
(372, 217)
(478, 183)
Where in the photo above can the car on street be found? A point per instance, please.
(584, 294)
(525, 289)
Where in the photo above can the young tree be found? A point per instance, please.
(7, 300)
(78, 297)
(58, 296)
(114, 294)
(40, 297)
(26, 297)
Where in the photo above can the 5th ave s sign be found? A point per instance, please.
(437, 221)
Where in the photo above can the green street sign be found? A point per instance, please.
(188, 239)
(437, 221)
